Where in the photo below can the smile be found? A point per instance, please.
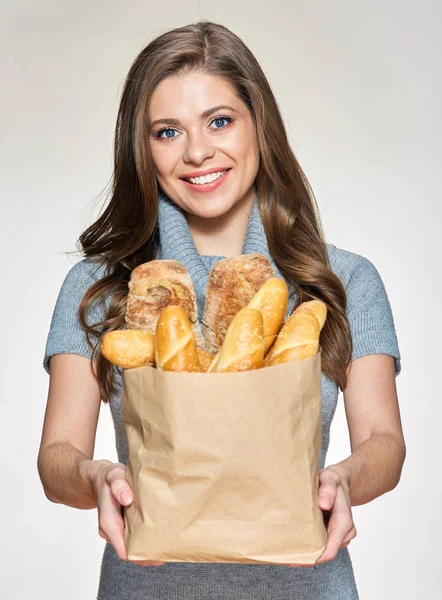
(209, 185)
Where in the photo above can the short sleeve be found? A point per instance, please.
(66, 335)
(370, 314)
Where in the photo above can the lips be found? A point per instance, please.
(204, 173)
(207, 187)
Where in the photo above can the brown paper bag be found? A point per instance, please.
(224, 466)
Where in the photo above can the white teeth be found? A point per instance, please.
(207, 178)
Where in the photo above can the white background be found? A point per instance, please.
(359, 86)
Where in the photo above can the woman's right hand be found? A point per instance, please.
(113, 491)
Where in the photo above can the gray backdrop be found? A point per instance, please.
(359, 85)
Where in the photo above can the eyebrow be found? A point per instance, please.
(204, 115)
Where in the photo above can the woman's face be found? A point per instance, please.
(223, 139)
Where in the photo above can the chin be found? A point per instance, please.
(208, 208)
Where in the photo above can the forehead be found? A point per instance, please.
(176, 96)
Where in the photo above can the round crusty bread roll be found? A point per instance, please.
(243, 345)
(129, 348)
(175, 345)
(153, 286)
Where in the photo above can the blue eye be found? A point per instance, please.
(221, 119)
(168, 137)
(165, 130)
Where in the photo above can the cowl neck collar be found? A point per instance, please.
(176, 243)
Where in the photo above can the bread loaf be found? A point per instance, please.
(155, 285)
(299, 336)
(231, 285)
(175, 345)
(316, 307)
(244, 311)
(243, 345)
(212, 365)
(129, 348)
(205, 358)
(271, 300)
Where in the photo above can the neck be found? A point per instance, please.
(223, 235)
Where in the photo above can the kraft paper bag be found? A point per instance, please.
(224, 466)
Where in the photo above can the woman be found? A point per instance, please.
(195, 102)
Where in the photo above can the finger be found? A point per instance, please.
(328, 489)
(111, 523)
(340, 524)
(148, 563)
(116, 538)
(119, 486)
(103, 534)
(350, 536)
(337, 530)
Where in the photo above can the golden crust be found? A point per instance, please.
(299, 336)
(243, 345)
(205, 358)
(175, 345)
(129, 348)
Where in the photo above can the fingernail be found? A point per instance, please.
(125, 497)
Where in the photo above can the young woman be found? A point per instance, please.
(203, 170)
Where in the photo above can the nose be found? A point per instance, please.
(198, 148)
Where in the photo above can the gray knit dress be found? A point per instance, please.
(373, 332)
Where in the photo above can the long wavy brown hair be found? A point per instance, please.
(126, 233)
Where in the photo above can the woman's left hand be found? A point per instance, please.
(334, 498)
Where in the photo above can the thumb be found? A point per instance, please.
(120, 488)
(126, 497)
(328, 490)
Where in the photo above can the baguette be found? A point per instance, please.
(175, 344)
(129, 348)
(155, 285)
(271, 300)
(231, 285)
(205, 358)
(316, 307)
(299, 336)
(212, 366)
(243, 345)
